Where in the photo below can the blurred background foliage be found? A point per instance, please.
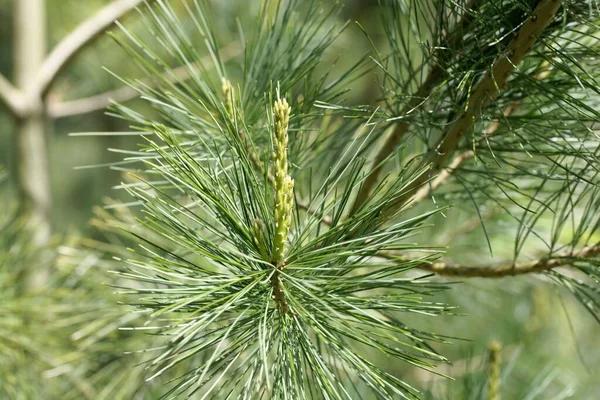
(76, 190)
(550, 343)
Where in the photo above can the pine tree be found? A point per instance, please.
(282, 242)
(277, 247)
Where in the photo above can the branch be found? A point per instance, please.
(79, 38)
(434, 78)
(486, 90)
(424, 191)
(501, 271)
(12, 98)
(71, 108)
(101, 101)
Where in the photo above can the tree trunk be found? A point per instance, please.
(32, 156)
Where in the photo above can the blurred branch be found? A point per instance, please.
(486, 90)
(501, 271)
(460, 368)
(468, 226)
(58, 109)
(390, 145)
(79, 38)
(11, 97)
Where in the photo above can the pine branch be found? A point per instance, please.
(261, 301)
(70, 108)
(434, 78)
(446, 173)
(11, 97)
(501, 271)
(486, 90)
(83, 35)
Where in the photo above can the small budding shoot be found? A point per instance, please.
(284, 185)
(258, 229)
(494, 371)
(228, 100)
(227, 96)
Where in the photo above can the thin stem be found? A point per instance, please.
(278, 295)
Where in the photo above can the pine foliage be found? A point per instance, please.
(280, 243)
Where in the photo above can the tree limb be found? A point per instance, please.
(500, 271)
(444, 175)
(486, 90)
(79, 38)
(434, 78)
(11, 97)
(71, 108)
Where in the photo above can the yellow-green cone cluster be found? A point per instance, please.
(227, 96)
(284, 185)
